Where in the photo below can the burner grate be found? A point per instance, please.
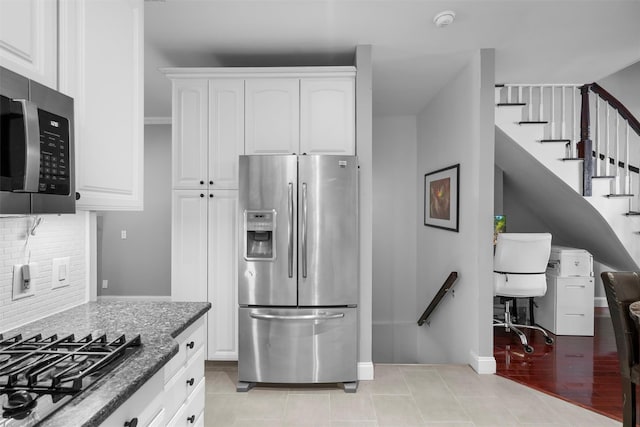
(57, 364)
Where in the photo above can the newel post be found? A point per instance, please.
(584, 146)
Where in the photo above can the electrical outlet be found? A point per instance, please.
(105, 284)
(123, 234)
(60, 272)
(24, 280)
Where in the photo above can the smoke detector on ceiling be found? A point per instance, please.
(444, 18)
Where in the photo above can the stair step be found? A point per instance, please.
(555, 140)
(618, 195)
(564, 159)
(632, 213)
(499, 84)
(528, 122)
(511, 104)
(603, 177)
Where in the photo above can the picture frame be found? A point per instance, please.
(442, 198)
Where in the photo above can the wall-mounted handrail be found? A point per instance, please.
(448, 284)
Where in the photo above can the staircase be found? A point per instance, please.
(588, 201)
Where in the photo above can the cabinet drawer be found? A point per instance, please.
(192, 412)
(145, 405)
(575, 293)
(183, 384)
(189, 342)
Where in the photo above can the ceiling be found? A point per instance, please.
(541, 41)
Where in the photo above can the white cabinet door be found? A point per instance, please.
(109, 105)
(189, 245)
(190, 138)
(327, 116)
(28, 39)
(272, 116)
(226, 132)
(223, 250)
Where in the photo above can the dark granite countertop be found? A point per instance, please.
(158, 323)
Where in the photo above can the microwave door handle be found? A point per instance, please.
(29, 183)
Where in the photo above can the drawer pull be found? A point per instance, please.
(191, 419)
(132, 423)
(190, 345)
(574, 314)
(191, 381)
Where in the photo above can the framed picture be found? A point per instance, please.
(442, 198)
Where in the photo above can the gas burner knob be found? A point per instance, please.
(19, 401)
(191, 381)
(190, 345)
(132, 423)
(191, 419)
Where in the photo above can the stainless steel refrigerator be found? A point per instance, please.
(298, 270)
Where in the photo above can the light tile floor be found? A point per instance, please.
(400, 395)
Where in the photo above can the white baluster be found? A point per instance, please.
(540, 104)
(530, 109)
(553, 109)
(563, 128)
(617, 158)
(509, 94)
(607, 141)
(520, 94)
(627, 171)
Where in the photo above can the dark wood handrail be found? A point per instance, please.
(448, 284)
(585, 144)
(617, 105)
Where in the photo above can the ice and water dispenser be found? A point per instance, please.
(260, 227)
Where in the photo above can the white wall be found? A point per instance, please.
(394, 240)
(56, 236)
(140, 265)
(625, 85)
(458, 127)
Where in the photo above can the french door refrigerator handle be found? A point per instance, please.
(304, 230)
(319, 316)
(290, 229)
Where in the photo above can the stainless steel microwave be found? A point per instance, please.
(36, 148)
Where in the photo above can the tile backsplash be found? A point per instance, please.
(56, 236)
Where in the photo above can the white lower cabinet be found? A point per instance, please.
(175, 395)
(184, 378)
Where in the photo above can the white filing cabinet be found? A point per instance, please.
(567, 307)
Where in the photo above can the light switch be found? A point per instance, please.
(60, 272)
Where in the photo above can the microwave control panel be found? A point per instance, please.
(54, 154)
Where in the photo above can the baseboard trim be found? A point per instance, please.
(365, 371)
(134, 298)
(600, 302)
(483, 365)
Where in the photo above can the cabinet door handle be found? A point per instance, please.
(190, 345)
(201, 195)
(211, 196)
(191, 381)
(191, 419)
(132, 423)
(210, 182)
(201, 182)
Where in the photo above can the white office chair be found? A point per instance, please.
(519, 266)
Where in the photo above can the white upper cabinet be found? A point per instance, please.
(190, 123)
(226, 132)
(208, 133)
(28, 39)
(327, 115)
(109, 105)
(272, 116)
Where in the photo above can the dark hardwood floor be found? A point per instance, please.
(582, 370)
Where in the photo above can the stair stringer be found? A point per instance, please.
(572, 220)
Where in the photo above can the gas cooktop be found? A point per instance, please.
(38, 375)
